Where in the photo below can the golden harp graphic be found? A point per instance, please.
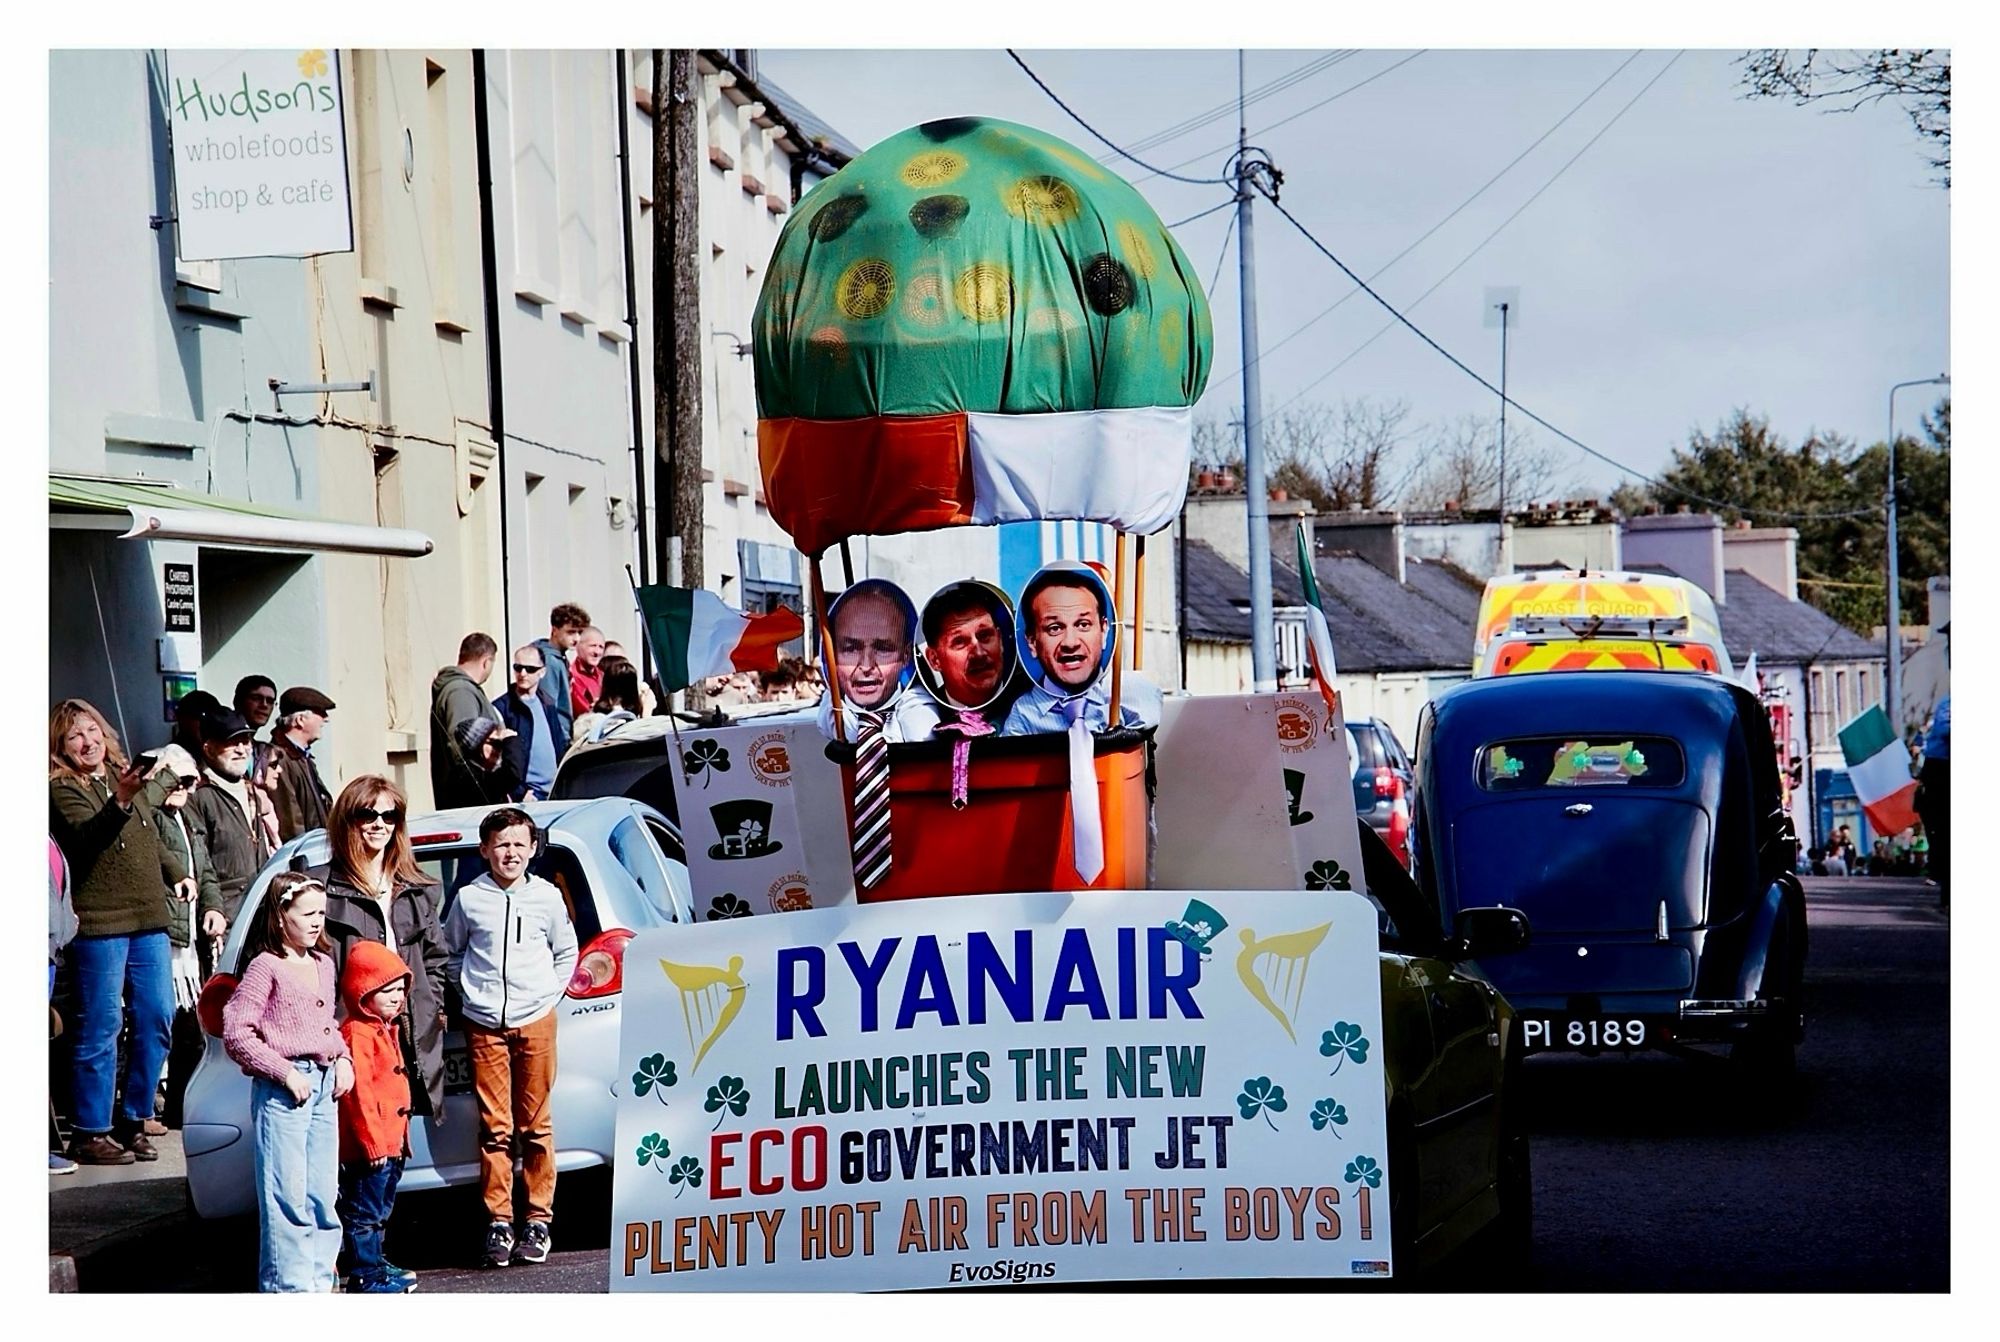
(1277, 964)
(704, 988)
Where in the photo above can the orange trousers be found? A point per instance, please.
(513, 1072)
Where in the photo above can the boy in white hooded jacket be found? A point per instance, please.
(510, 949)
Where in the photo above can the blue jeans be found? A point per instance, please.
(112, 974)
(367, 1196)
(298, 1176)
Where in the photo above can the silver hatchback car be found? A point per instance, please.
(620, 863)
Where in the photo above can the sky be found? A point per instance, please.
(1706, 252)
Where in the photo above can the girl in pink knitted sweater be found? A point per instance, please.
(279, 1027)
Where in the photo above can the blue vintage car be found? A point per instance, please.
(1636, 818)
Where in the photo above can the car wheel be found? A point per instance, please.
(1768, 1057)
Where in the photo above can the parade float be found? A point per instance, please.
(1077, 1071)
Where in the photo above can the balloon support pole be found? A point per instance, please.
(1138, 602)
(1117, 662)
(825, 632)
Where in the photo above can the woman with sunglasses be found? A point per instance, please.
(375, 891)
(185, 842)
(104, 815)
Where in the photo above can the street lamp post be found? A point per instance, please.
(1893, 682)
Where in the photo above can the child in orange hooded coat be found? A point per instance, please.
(374, 1116)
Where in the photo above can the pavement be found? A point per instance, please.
(98, 1209)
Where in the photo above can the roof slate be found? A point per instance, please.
(1758, 618)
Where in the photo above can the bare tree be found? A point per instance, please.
(1919, 79)
(1459, 463)
(1217, 442)
(1335, 456)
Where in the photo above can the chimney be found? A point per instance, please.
(1688, 543)
(1376, 536)
(1768, 554)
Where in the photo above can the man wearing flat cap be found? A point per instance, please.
(302, 798)
(225, 814)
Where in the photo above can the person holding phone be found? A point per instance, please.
(104, 815)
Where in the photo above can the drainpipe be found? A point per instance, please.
(632, 325)
(496, 399)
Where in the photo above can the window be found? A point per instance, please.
(437, 146)
(637, 856)
(1604, 761)
(1821, 711)
(1843, 704)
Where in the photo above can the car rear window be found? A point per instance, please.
(1367, 748)
(455, 868)
(1604, 760)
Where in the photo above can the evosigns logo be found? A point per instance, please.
(1004, 1271)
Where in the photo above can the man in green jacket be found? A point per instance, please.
(456, 700)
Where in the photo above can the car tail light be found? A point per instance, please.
(443, 836)
(600, 969)
(1387, 784)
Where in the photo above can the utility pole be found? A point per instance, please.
(1506, 305)
(1248, 172)
(1893, 682)
(677, 312)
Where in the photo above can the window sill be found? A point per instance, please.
(376, 294)
(206, 302)
(452, 322)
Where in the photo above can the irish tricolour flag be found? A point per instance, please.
(1319, 638)
(695, 635)
(1879, 767)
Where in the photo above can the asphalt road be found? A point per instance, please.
(1652, 1173)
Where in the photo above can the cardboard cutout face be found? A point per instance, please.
(969, 656)
(871, 650)
(1066, 633)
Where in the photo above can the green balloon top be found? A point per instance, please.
(976, 265)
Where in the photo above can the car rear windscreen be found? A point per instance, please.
(1604, 760)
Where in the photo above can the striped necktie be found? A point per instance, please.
(871, 801)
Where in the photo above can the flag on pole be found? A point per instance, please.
(1879, 767)
(1319, 639)
(694, 635)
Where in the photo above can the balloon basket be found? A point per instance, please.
(1014, 832)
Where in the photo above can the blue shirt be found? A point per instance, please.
(1041, 711)
(1937, 741)
(541, 749)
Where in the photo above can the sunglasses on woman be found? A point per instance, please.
(392, 816)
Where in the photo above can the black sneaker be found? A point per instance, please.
(499, 1244)
(535, 1243)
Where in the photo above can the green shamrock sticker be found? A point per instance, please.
(1260, 1096)
(1328, 875)
(655, 1072)
(653, 1147)
(1342, 1042)
(705, 756)
(1364, 1170)
(728, 1096)
(686, 1174)
(1326, 1115)
(727, 906)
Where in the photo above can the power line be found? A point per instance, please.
(1573, 441)
(1204, 214)
(1223, 109)
(1460, 208)
(1358, 84)
(1518, 211)
(1197, 181)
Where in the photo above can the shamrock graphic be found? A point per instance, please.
(753, 834)
(686, 1173)
(1328, 875)
(1326, 1115)
(728, 1095)
(312, 64)
(1342, 1042)
(705, 756)
(1259, 1095)
(654, 1070)
(727, 906)
(1364, 1170)
(653, 1147)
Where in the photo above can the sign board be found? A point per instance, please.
(1004, 1089)
(1255, 791)
(177, 592)
(260, 153)
(174, 688)
(764, 822)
